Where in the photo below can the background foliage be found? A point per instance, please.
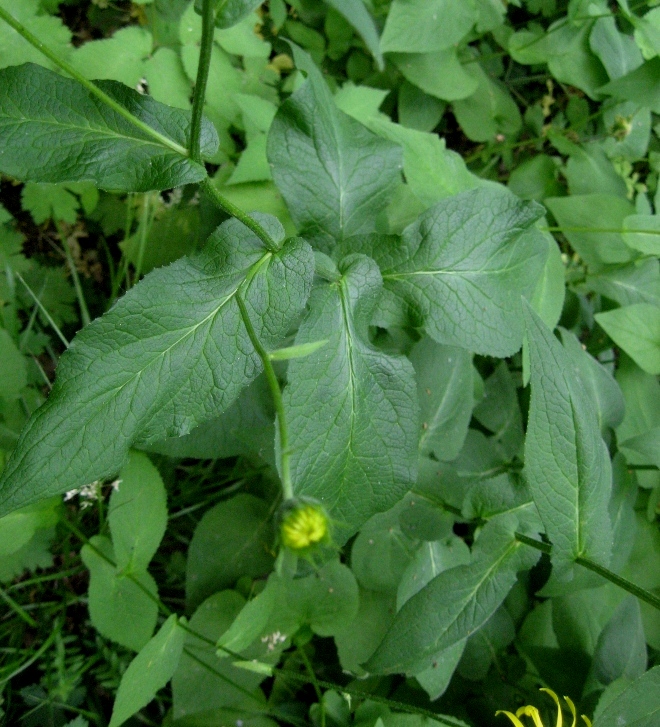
(385, 134)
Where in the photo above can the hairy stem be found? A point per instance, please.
(208, 26)
(606, 573)
(231, 209)
(92, 88)
(276, 392)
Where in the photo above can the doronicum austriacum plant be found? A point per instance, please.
(378, 433)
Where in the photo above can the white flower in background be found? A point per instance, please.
(273, 640)
(90, 493)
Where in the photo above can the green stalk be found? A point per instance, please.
(231, 209)
(199, 94)
(92, 88)
(82, 303)
(273, 383)
(606, 573)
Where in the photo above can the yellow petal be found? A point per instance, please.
(571, 706)
(516, 722)
(587, 721)
(560, 718)
(532, 712)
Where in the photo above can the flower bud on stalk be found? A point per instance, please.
(304, 524)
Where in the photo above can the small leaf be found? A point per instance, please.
(351, 409)
(75, 137)
(119, 608)
(358, 16)
(454, 604)
(137, 514)
(459, 271)
(636, 329)
(567, 463)
(172, 353)
(334, 174)
(149, 672)
(304, 349)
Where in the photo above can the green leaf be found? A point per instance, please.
(82, 139)
(621, 648)
(599, 384)
(352, 409)
(214, 683)
(417, 110)
(482, 648)
(445, 392)
(358, 16)
(432, 171)
(137, 514)
(459, 271)
(489, 110)
(382, 552)
(334, 174)
(566, 462)
(357, 641)
(640, 85)
(636, 329)
(454, 604)
(172, 353)
(119, 608)
(617, 51)
(637, 282)
(642, 232)
(119, 58)
(439, 74)
(230, 12)
(232, 540)
(245, 428)
(579, 214)
(17, 528)
(499, 410)
(424, 26)
(636, 706)
(150, 671)
(14, 49)
(327, 600)
(44, 201)
(14, 368)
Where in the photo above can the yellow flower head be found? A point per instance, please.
(533, 712)
(304, 524)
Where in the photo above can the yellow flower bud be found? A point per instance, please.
(304, 524)
(531, 711)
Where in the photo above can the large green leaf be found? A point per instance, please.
(52, 129)
(460, 269)
(150, 671)
(567, 463)
(352, 409)
(334, 174)
(358, 16)
(455, 603)
(172, 353)
(637, 706)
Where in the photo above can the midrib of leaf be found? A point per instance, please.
(89, 130)
(434, 419)
(351, 369)
(579, 537)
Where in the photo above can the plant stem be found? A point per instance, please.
(199, 94)
(82, 303)
(42, 308)
(92, 88)
(231, 209)
(273, 383)
(606, 573)
(18, 609)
